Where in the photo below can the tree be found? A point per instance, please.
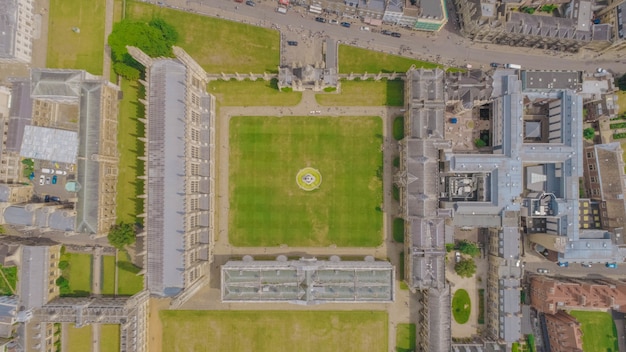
(126, 71)
(449, 247)
(589, 133)
(122, 235)
(64, 264)
(621, 82)
(465, 267)
(479, 143)
(468, 248)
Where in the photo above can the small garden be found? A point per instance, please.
(8, 282)
(461, 306)
(398, 230)
(405, 338)
(75, 279)
(398, 128)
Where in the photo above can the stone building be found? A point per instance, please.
(17, 25)
(564, 333)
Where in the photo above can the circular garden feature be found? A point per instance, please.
(461, 306)
(309, 179)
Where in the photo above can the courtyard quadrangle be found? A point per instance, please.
(268, 208)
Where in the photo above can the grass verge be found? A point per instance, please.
(461, 306)
(405, 338)
(398, 128)
(109, 338)
(398, 230)
(274, 331)
(268, 208)
(8, 281)
(78, 339)
(358, 60)
(108, 275)
(130, 147)
(481, 306)
(599, 331)
(78, 273)
(252, 93)
(128, 282)
(76, 50)
(217, 45)
(365, 93)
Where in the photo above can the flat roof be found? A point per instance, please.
(548, 80)
(49, 144)
(8, 28)
(307, 281)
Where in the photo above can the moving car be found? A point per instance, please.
(562, 264)
(611, 265)
(54, 179)
(494, 64)
(396, 35)
(42, 180)
(320, 19)
(345, 24)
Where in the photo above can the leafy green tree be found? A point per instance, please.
(64, 264)
(479, 143)
(589, 133)
(465, 267)
(168, 32)
(621, 82)
(468, 248)
(449, 247)
(122, 235)
(126, 71)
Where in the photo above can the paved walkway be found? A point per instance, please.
(108, 26)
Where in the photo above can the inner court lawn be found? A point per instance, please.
(267, 208)
(274, 331)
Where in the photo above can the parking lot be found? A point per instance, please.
(307, 51)
(49, 179)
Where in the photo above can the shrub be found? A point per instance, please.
(64, 264)
(330, 89)
(479, 143)
(589, 133)
(449, 247)
(396, 192)
(122, 235)
(465, 267)
(398, 230)
(619, 135)
(396, 161)
(614, 126)
(468, 248)
(398, 128)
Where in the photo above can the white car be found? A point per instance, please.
(42, 180)
(61, 172)
(363, 28)
(333, 22)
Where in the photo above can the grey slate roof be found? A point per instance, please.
(56, 83)
(8, 27)
(33, 291)
(307, 281)
(20, 114)
(17, 215)
(439, 319)
(166, 185)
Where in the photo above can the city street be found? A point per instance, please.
(446, 47)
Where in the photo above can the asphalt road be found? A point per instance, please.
(446, 47)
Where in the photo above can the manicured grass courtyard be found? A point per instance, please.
(599, 331)
(358, 60)
(365, 93)
(78, 339)
(274, 331)
(252, 93)
(109, 338)
(128, 282)
(8, 280)
(108, 275)
(83, 50)
(217, 45)
(461, 306)
(405, 338)
(267, 208)
(78, 273)
(130, 147)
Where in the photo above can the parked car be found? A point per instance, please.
(47, 171)
(543, 271)
(345, 24)
(42, 180)
(46, 198)
(494, 64)
(292, 43)
(55, 199)
(457, 257)
(47, 180)
(385, 32)
(60, 172)
(250, 3)
(364, 28)
(333, 22)
(562, 264)
(54, 179)
(396, 34)
(585, 265)
(611, 265)
(320, 19)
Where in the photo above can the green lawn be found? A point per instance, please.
(461, 306)
(78, 273)
(599, 332)
(129, 147)
(67, 49)
(252, 93)
(398, 128)
(274, 331)
(217, 45)
(357, 60)
(128, 282)
(405, 338)
(78, 339)
(109, 338)
(365, 93)
(108, 274)
(398, 230)
(8, 281)
(267, 208)
(621, 100)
